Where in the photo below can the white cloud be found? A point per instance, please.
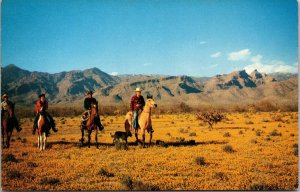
(216, 55)
(114, 73)
(202, 42)
(239, 55)
(271, 67)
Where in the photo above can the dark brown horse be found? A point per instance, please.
(93, 123)
(43, 127)
(7, 125)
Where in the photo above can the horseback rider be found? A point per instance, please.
(137, 104)
(7, 104)
(43, 103)
(88, 101)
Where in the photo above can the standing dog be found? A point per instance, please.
(121, 135)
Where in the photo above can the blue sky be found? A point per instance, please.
(172, 37)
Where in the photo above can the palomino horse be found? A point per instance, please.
(144, 120)
(92, 124)
(7, 125)
(43, 127)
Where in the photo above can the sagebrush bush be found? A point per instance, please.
(193, 134)
(49, 181)
(10, 158)
(226, 134)
(274, 133)
(220, 176)
(127, 182)
(120, 145)
(105, 173)
(200, 160)
(14, 174)
(228, 149)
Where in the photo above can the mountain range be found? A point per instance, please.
(69, 88)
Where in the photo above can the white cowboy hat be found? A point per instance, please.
(138, 89)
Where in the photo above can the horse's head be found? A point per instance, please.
(150, 102)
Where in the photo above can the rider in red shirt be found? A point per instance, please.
(43, 103)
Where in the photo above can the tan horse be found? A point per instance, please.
(144, 120)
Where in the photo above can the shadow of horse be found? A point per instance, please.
(159, 143)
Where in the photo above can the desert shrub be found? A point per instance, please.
(181, 139)
(193, 134)
(265, 120)
(248, 122)
(220, 176)
(105, 173)
(169, 134)
(274, 133)
(127, 182)
(295, 148)
(228, 149)
(200, 161)
(267, 139)
(279, 125)
(212, 117)
(292, 134)
(24, 154)
(182, 130)
(14, 174)
(258, 132)
(241, 132)
(253, 141)
(121, 145)
(49, 181)
(262, 187)
(32, 164)
(226, 134)
(9, 158)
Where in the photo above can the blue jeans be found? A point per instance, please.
(135, 123)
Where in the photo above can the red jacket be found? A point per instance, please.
(137, 103)
(40, 104)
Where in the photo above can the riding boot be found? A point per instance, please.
(17, 125)
(34, 128)
(35, 124)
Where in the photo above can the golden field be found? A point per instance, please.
(263, 156)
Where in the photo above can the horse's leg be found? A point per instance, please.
(44, 140)
(96, 137)
(82, 135)
(89, 138)
(3, 135)
(143, 135)
(9, 133)
(40, 141)
(150, 139)
(136, 135)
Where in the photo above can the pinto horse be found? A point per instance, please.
(92, 124)
(144, 120)
(43, 126)
(7, 125)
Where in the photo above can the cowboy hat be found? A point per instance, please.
(138, 89)
(42, 95)
(4, 95)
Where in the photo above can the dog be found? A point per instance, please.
(121, 135)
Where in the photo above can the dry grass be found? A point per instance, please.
(271, 162)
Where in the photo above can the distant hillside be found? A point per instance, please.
(70, 87)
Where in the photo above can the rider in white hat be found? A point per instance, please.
(5, 106)
(137, 104)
